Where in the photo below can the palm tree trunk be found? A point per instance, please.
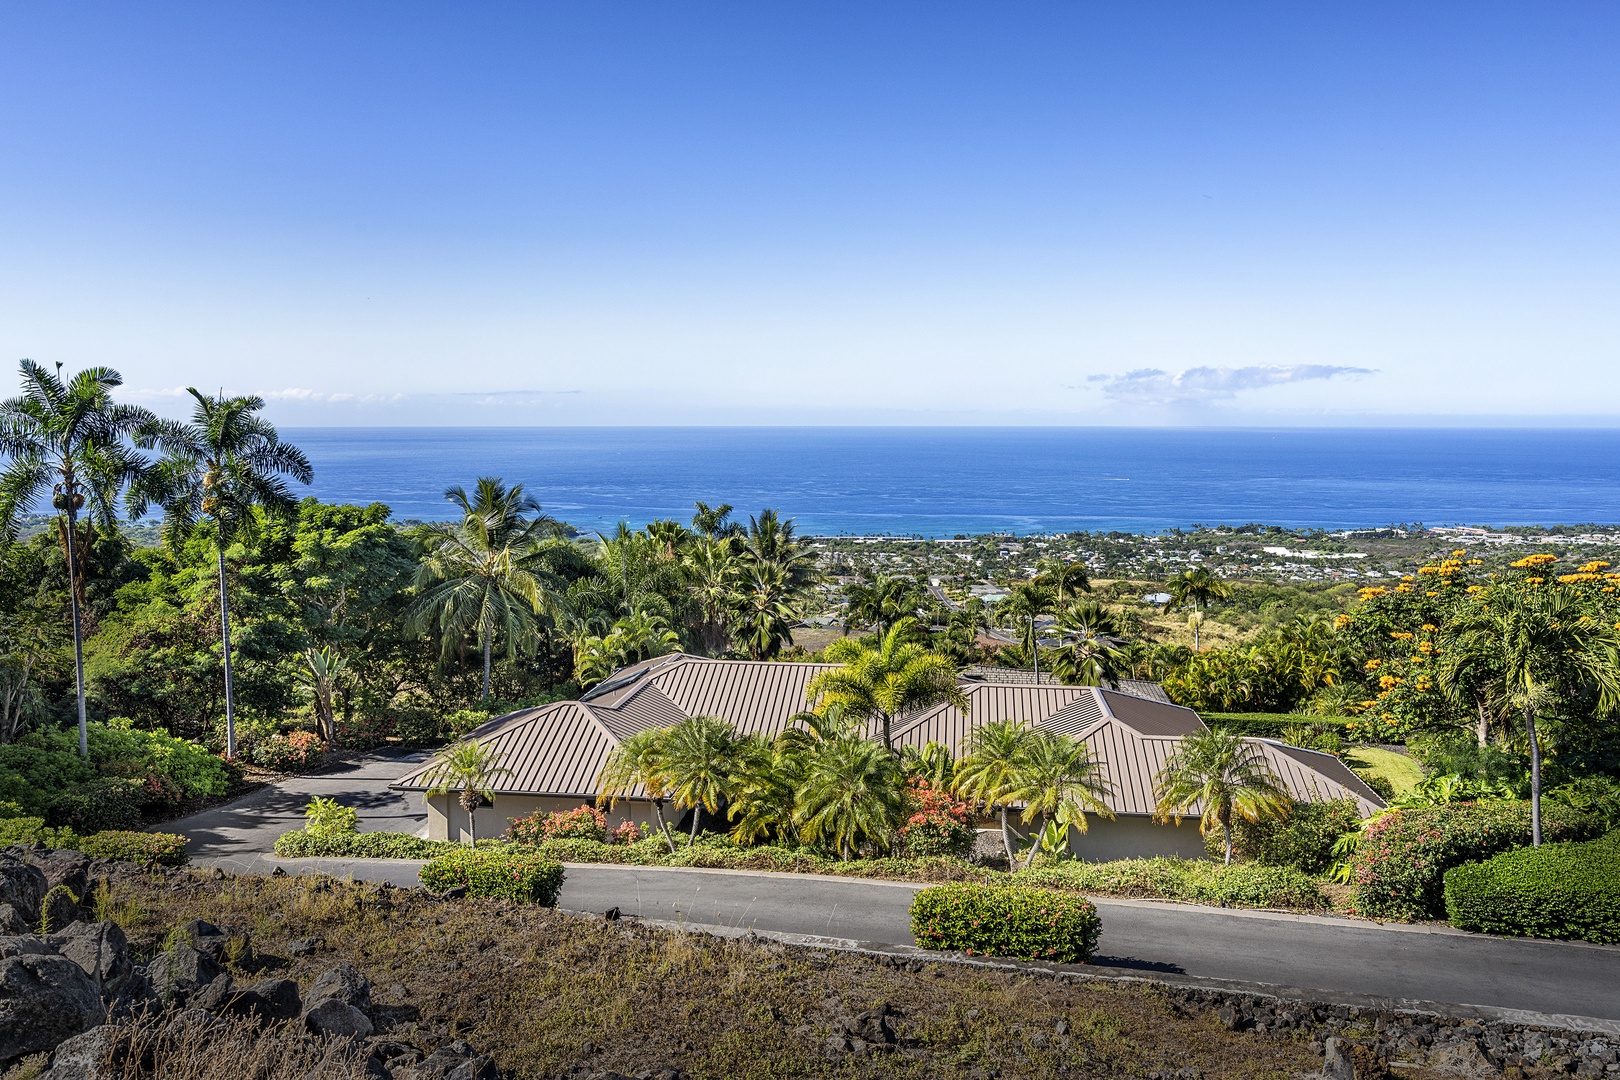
(696, 812)
(887, 744)
(487, 636)
(469, 803)
(663, 829)
(1483, 731)
(78, 633)
(1006, 838)
(1226, 834)
(1029, 861)
(225, 637)
(1535, 777)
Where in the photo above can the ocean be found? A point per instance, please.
(938, 482)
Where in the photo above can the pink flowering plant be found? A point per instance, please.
(937, 824)
(584, 822)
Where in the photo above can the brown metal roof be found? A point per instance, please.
(1142, 688)
(1151, 717)
(756, 696)
(641, 707)
(555, 750)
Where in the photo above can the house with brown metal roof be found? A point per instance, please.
(554, 753)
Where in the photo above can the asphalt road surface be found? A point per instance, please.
(1313, 955)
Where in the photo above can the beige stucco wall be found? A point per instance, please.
(1133, 836)
(448, 821)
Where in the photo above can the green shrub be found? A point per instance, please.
(1197, 881)
(1554, 891)
(188, 765)
(10, 810)
(1282, 726)
(1304, 839)
(1597, 795)
(505, 873)
(1400, 864)
(584, 822)
(291, 752)
(164, 849)
(1255, 885)
(107, 803)
(307, 844)
(328, 817)
(1006, 920)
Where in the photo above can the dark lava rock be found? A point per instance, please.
(343, 983)
(180, 970)
(44, 999)
(98, 1054)
(336, 1018)
(100, 949)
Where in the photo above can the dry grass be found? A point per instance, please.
(543, 992)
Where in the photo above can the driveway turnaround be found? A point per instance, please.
(1308, 956)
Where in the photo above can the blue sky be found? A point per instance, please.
(767, 213)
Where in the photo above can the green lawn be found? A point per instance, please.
(1402, 772)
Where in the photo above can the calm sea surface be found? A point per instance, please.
(941, 481)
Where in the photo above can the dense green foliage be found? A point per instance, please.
(1197, 881)
(506, 873)
(1400, 865)
(308, 843)
(1304, 839)
(1554, 891)
(1006, 920)
(127, 771)
(163, 849)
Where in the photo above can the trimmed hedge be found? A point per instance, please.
(1006, 920)
(1195, 881)
(303, 844)
(1554, 891)
(504, 873)
(1400, 865)
(107, 803)
(163, 849)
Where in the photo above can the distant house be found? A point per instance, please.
(554, 753)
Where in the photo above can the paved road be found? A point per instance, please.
(1341, 959)
(252, 823)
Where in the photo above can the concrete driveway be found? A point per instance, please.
(251, 824)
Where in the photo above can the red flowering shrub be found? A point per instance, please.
(938, 823)
(158, 792)
(1400, 866)
(626, 832)
(581, 823)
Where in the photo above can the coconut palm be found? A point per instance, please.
(1222, 775)
(227, 465)
(880, 685)
(468, 768)
(714, 576)
(1058, 779)
(1090, 654)
(1065, 580)
(1536, 644)
(72, 439)
(992, 770)
(764, 609)
(714, 522)
(770, 541)
(1196, 588)
(853, 791)
(881, 602)
(486, 575)
(638, 760)
(698, 760)
(1027, 601)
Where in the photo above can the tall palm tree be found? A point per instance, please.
(1222, 775)
(1066, 580)
(1059, 779)
(881, 602)
(714, 522)
(486, 575)
(1090, 654)
(992, 770)
(699, 757)
(638, 760)
(880, 685)
(771, 541)
(1536, 643)
(225, 465)
(1027, 601)
(714, 576)
(764, 610)
(1196, 588)
(469, 767)
(71, 438)
(853, 790)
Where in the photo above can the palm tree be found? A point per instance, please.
(224, 465)
(1027, 601)
(636, 637)
(1197, 588)
(766, 777)
(713, 575)
(853, 790)
(638, 760)
(992, 770)
(486, 575)
(73, 439)
(468, 767)
(698, 759)
(881, 602)
(714, 522)
(771, 541)
(1059, 779)
(764, 610)
(887, 683)
(1090, 655)
(1066, 580)
(1535, 642)
(1223, 775)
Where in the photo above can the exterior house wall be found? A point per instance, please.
(1135, 836)
(448, 821)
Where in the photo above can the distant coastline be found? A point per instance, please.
(939, 482)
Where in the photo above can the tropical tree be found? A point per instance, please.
(486, 575)
(229, 466)
(638, 760)
(1065, 580)
(992, 770)
(882, 684)
(881, 602)
(853, 791)
(636, 637)
(714, 522)
(323, 668)
(1196, 588)
(698, 760)
(1538, 643)
(1026, 602)
(1090, 654)
(770, 541)
(714, 576)
(764, 610)
(766, 777)
(1222, 775)
(933, 764)
(468, 768)
(72, 439)
(1058, 779)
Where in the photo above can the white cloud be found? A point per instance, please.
(1151, 386)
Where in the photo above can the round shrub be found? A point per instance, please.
(108, 803)
(328, 817)
(1006, 920)
(937, 825)
(1400, 865)
(297, 750)
(1554, 891)
(584, 822)
(504, 873)
(163, 849)
(1254, 885)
